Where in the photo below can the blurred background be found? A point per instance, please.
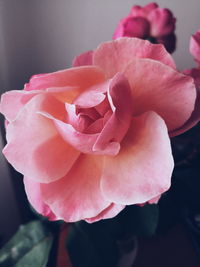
(43, 36)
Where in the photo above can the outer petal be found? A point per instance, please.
(119, 31)
(83, 59)
(157, 87)
(162, 22)
(195, 116)
(77, 195)
(142, 170)
(195, 45)
(192, 121)
(34, 146)
(34, 195)
(154, 200)
(114, 56)
(111, 211)
(195, 74)
(13, 101)
(81, 77)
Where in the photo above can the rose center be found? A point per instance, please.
(92, 120)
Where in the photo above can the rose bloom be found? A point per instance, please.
(149, 22)
(195, 46)
(195, 52)
(195, 72)
(94, 138)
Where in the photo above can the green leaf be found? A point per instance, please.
(30, 246)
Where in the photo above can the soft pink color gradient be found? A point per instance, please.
(149, 22)
(94, 138)
(195, 74)
(195, 46)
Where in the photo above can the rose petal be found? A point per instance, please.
(111, 211)
(162, 22)
(154, 200)
(34, 147)
(13, 101)
(136, 27)
(83, 59)
(195, 45)
(138, 11)
(192, 121)
(142, 170)
(93, 96)
(82, 142)
(95, 127)
(79, 191)
(119, 31)
(195, 74)
(33, 192)
(149, 7)
(119, 96)
(151, 201)
(157, 87)
(65, 93)
(114, 56)
(81, 77)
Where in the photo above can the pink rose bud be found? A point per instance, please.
(195, 46)
(162, 22)
(137, 27)
(137, 11)
(149, 22)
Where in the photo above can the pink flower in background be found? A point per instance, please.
(92, 139)
(149, 22)
(195, 46)
(195, 73)
(195, 52)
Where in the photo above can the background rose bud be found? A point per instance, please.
(195, 52)
(149, 22)
(195, 74)
(195, 46)
(92, 139)
(137, 27)
(162, 22)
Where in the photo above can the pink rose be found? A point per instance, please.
(195, 74)
(195, 46)
(149, 22)
(90, 140)
(195, 52)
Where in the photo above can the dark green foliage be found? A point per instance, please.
(98, 244)
(30, 246)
